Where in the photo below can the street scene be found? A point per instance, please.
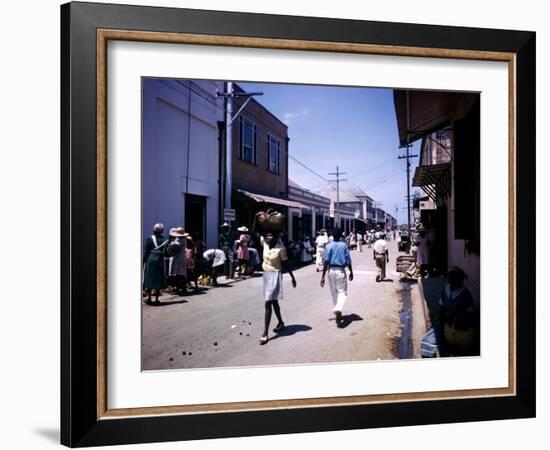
(223, 324)
(297, 224)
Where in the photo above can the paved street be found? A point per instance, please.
(221, 327)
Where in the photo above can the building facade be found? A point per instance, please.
(312, 217)
(181, 156)
(260, 161)
(448, 173)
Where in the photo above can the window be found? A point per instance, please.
(248, 132)
(273, 150)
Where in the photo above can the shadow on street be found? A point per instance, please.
(348, 319)
(290, 330)
(168, 303)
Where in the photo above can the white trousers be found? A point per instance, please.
(319, 262)
(338, 284)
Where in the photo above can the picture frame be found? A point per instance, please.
(86, 28)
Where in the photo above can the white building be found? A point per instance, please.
(181, 156)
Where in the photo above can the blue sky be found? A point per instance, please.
(354, 128)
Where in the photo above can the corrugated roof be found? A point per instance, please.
(260, 198)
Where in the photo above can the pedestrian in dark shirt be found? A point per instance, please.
(226, 241)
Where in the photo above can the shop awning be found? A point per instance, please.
(434, 179)
(420, 113)
(260, 198)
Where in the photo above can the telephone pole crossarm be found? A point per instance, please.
(338, 179)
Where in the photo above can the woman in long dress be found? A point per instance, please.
(422, 253)
(154, 277)
(274, 260)
(305, 255)
(243, 255)
(178, 260)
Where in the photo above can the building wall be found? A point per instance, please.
(456, 256)
(257, 177)
(180, 153)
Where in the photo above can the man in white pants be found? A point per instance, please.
(320, 244)
(337, 258)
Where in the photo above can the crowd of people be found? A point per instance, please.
(172, 263)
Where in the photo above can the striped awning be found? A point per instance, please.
(434, 179)
(260, 198)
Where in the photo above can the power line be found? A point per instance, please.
(371, 169)
(201, 95)
(304, 165)
(338, 173)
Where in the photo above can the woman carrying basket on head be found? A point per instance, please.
(274, 261)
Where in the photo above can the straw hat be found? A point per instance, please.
(243, 228)
(225, 224)
(178, 232)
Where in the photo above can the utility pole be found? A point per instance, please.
(337, 212)
(408, 156)
(229, 95)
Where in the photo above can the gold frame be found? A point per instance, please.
(103, 36)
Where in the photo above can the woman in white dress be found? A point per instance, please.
(274, 260)
(305, 255)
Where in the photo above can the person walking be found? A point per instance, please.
(274, 261)
(353, 240)
(337, 258)
(360, 242)
(154, 275)
(381, 256)
(320, 244)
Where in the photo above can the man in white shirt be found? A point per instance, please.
(360, 242)
(320, 243)
(380, 251)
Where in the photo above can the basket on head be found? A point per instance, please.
(269, 220)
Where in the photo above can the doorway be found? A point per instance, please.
(195, 216)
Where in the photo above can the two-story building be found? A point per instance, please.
(448, 123)
(349, 207)
(260, 161)
(312, 217)
(181, 156)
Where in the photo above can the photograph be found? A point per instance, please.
(287, 224)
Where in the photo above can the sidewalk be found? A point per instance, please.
(430, 290)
